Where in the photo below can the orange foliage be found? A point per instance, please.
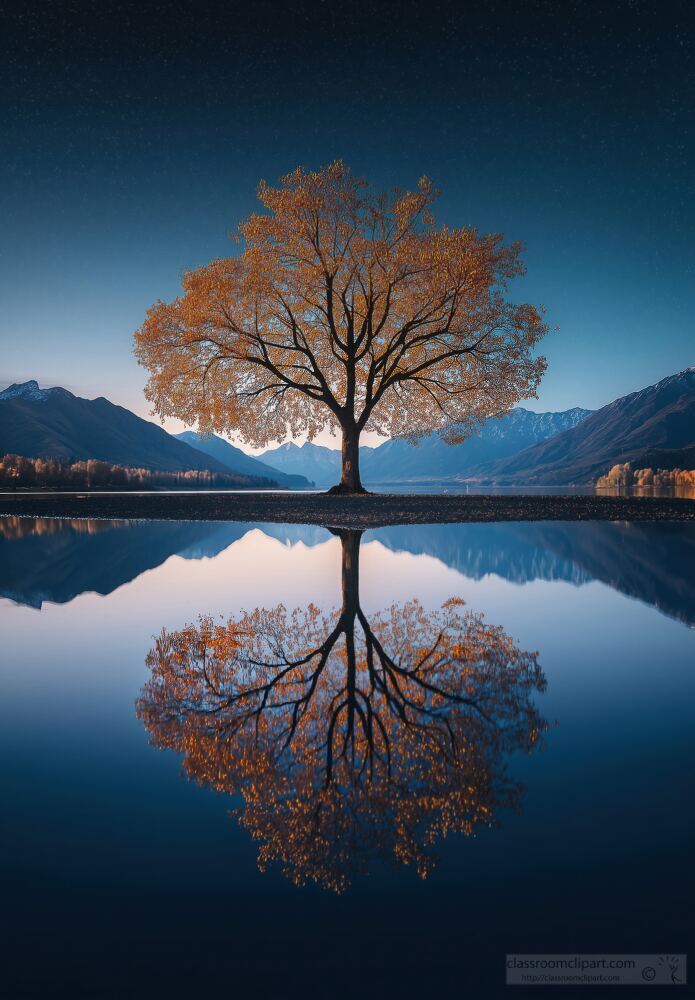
(92, 473)
(13, 527)
(625, 475)
(346, 308)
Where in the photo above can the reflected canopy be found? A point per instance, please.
(349, 739)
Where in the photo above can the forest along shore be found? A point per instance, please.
(371, 510)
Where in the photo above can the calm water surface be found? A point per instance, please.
(176, 821)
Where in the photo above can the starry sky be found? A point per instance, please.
(133, 138)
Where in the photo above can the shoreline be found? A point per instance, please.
(372, 510)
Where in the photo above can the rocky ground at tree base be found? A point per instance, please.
(366, 511)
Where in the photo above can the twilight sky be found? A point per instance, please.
(133, 139)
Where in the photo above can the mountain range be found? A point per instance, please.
(653, 427)
(319, 464)
(234, 458)
(430, 459)
(498, 437)
(636, 428)
(40, 423)
(54, 423)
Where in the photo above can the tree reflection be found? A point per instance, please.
(348, 739)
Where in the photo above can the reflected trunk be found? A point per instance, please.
(350, 577)
(350, 580)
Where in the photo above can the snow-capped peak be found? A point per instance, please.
(30, 390)
(24, 390)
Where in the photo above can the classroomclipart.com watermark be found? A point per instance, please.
(596, 970)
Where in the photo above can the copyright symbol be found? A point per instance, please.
(649, 973)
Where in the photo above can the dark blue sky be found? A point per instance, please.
(133, 139)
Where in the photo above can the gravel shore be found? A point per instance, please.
(368, 511)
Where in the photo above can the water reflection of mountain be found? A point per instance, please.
(513, 551)
(56, 559)
(651, 562)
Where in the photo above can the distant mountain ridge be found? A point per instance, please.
(319, 464)
(653, 427)
(435, 461)
(655, 420)
(666, 458)
(237, 460)
(431, 460)
(54, 423)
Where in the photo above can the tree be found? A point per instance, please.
(347, 739)
(346, 309)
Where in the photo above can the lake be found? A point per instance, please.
(376, 764)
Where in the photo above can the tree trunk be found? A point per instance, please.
(350, 575)
(350, 481)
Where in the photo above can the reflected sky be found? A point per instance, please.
(57, 559)
(106, 852)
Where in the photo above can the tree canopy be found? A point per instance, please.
(350, 309)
